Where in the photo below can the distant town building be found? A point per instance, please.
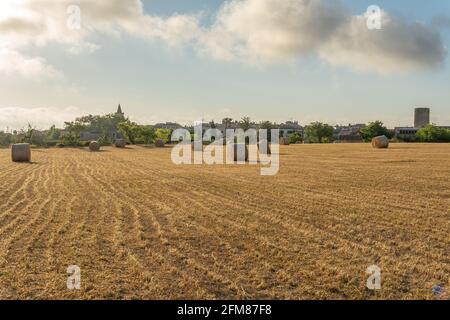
(222, 127)
(90, 135)
(290, 127)
(406, 133)
(168, 125)
(350, 133)
(286, 129)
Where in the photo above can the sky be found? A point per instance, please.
(182, 61)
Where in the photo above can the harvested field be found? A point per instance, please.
(140, 227)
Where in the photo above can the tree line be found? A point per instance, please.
(315, 132)
(70, 136)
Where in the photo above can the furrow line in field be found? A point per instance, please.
(142, 251)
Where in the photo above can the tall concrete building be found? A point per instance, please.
(421, 117)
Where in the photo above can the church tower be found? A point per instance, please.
(119, 111)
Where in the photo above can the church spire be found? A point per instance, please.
(119, 110)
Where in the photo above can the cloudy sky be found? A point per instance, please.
(180, 60)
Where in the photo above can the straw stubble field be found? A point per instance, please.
(140, 227)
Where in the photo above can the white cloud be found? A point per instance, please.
(29, 24)
(273, 31)
(14, 64)
(270, 30)
(84, 47)
(397, 48)
(16, 117)
(38, 23)
(250, 31)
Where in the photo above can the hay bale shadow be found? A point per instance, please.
(151, 146)
(26, 163)
(99, 151)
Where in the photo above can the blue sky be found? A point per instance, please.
(157, 82)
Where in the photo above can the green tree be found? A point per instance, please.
(163, 134)
(147, 134)
(31, 136)
(374, 129)
(227, 122)
(54, 133)
(245, 123)
(106, 124)
(130, 130)
(38, 138)
(71, 137)
(104, 139)
(295, 138)
(27, 135)
(432, 133)
(267, 125)
(5, 139)
(318, 132)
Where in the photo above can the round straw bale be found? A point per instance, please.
(21, 152)
(159, 143)
(119, 143)
(94, 146)
(261, 148)
(237, 147)
(381, 142)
